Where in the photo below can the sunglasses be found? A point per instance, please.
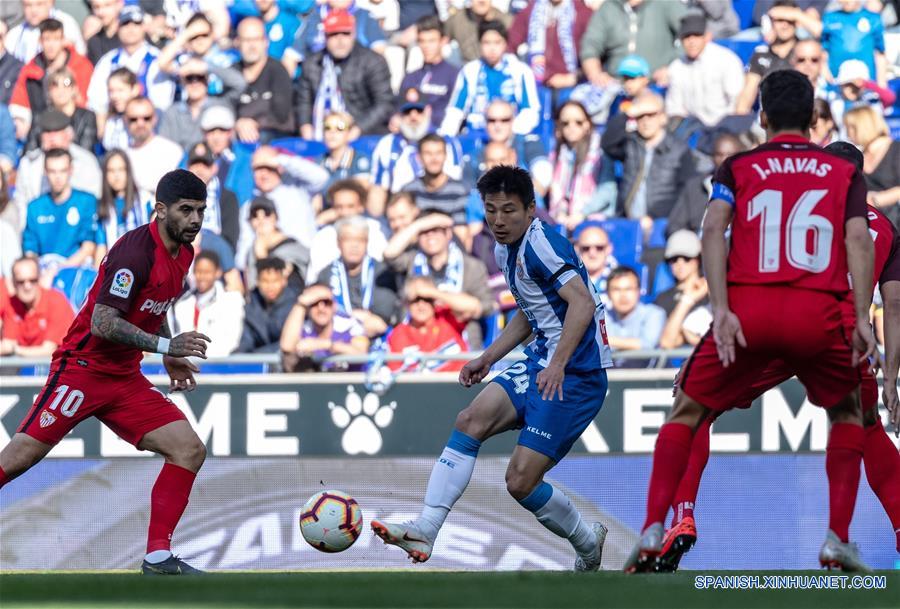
(26, 281)
(328, 302)
(421, 299)
(335, 127)
(502, 119)
(647, 115)
(138, 119)
(595, 247)
(675, 259)
(194, 78)
(577, 123)
(807, 59)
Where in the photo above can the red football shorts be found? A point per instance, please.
(129, 405)
(789, 332)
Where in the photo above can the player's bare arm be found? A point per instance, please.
(860, 262)
(516, 331)
(579, 314)
(107, 323)
(890, 294)
(726, 326)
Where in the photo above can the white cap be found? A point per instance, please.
(851, 70)
(217, 117)
(683, 243)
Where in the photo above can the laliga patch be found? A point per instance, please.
(47, 419)
(121, 283)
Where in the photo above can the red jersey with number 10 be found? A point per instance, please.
(791, 200)
(142, 280)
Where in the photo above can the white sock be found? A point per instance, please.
(562, 518)
(449, 478)
(157, 556)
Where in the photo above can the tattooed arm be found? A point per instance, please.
(107, 323)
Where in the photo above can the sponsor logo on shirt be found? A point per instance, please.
(122, 282)
(157, 308)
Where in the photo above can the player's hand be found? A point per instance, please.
(727, 331)
(892, 403)
(474, 371)
(864, 345)
(189, 344)
(549, 380)
(181, 373)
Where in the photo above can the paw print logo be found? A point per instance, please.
(362, 419)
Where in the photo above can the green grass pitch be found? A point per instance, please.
(410, 589)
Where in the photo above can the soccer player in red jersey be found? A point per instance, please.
(880, 457)
(798, 222)
(96, 370)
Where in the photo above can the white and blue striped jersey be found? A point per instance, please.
(536, 268)
(395, 162)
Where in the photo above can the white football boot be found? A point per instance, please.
(591, 562)
(835, 554)
(407, 537)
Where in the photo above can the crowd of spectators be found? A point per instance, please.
(340, 141)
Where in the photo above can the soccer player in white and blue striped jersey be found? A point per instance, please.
(552, 396)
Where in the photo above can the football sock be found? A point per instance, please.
(842, 457)
(673, 449)
(556, 512)
(3, 478)
(168, 499)
(686, 495)
(882, 463)
(449, 479)
(157, 556)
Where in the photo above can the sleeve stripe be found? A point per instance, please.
(562, 269)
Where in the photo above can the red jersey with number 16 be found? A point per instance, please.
(791, 200)
(142, 280)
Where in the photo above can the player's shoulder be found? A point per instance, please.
(135, 247)
(881, 223)
(546, 243)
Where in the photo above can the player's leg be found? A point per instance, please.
(20, 455)
(880, 457)
(550, 428)
(552, 508)
(142, 416)
(491, 412)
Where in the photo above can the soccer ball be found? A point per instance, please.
(331, 521)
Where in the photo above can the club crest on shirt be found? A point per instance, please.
(121, 283)
(520, 269)
(47, 419)
(72, 217)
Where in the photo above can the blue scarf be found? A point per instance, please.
(565, 28)
(328, 98)
(142, 70)
(453, 277)
(340, 286)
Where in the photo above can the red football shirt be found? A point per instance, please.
(46, 320)
(791, 201)
(442, 335)
(887, 247)
(141, 279)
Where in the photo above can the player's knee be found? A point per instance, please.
(189, 455)
(520, 483)
(468, 423)
(687, 411)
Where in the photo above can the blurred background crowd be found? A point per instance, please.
(341, 140)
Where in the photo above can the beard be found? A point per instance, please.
(414, 133)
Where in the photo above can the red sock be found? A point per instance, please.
(673, 447)
(168, 499)
(842, 460)
(882, 463)
(3, 478)
(686, 495)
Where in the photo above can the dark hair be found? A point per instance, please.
(125, 74)
(507, 179)
(431, 138)
(403, 195)
(847, 151)
(209, 255)
(348, 184)
(581, 151)
(4, 191)
(729, 137)
(106, 204)
(622, 271)
(786, 96)
(823, 109)
(434, 211)
(180, 184)
(56, 153)
(270, 264)
(492, 25)
(50, 25)
(429, 23)
(198, 16)
(788, 3)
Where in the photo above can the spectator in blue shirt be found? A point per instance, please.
(854, 33)
(630, 324)
(9, 154)
(61, 225)
(281, 26)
